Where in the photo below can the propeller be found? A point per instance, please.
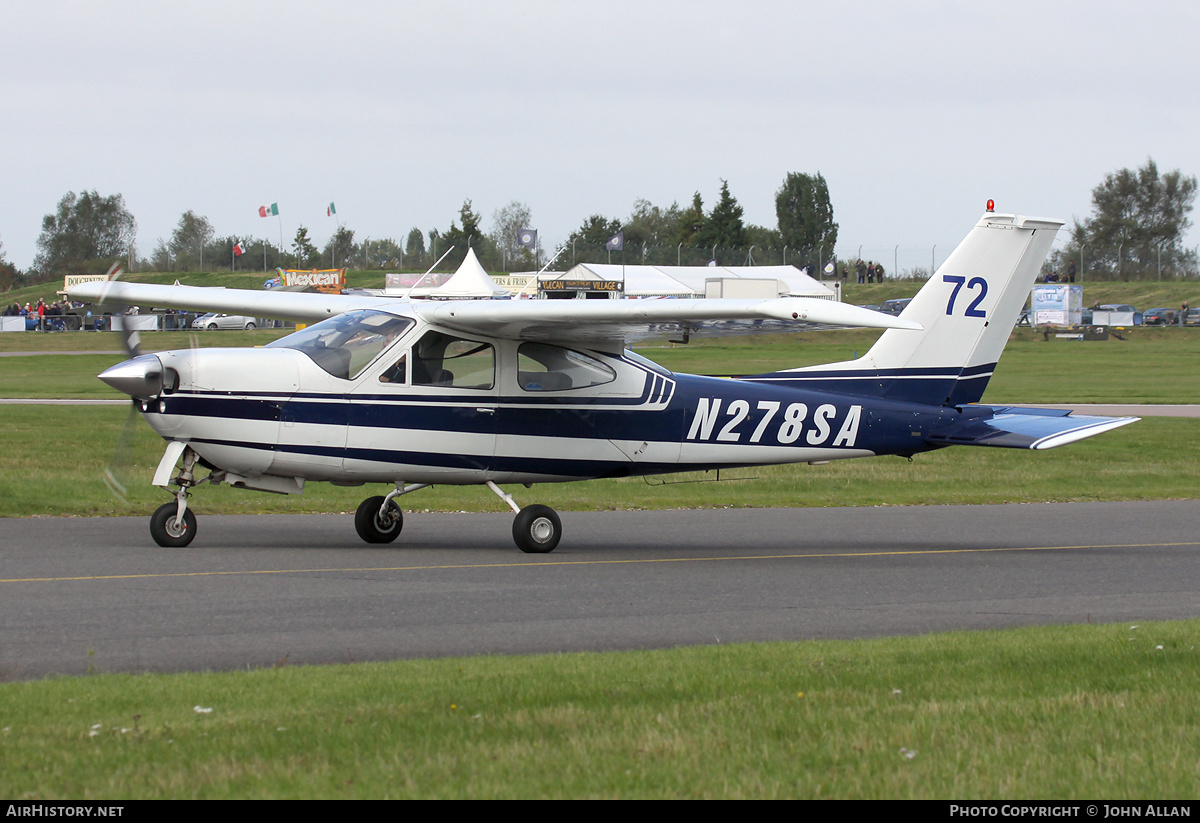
(117, 470)
(129, 336)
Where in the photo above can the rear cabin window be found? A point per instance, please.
(542, 367)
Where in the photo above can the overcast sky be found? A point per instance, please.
(916, 112)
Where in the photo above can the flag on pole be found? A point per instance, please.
(238, 249)
(528, 238)
(331, 211)
(829, 267)
(616, 242)
(268, 211)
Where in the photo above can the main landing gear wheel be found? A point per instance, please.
(374, 528)
(164, 530)
(537, 529)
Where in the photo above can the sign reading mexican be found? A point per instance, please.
(330, 281)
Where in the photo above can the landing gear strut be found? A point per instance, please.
(173, 525)
(536, 529)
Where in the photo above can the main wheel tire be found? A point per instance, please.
(537, 529)
(249, 327)
(166, 533)
(369, 526)
(211, 327)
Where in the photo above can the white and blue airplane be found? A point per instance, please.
(416, 393)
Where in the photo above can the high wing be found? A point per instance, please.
(303, 307)
(599, 321)
(616, 320)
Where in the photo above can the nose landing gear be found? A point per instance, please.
(173, 525)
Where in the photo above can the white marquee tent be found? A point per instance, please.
(688, 281)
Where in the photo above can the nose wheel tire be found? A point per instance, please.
(537, 529)
(165, 531)
(373, 528)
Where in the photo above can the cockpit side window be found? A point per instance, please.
(542, 367)
(347, 344)
(443, 360)
(397, 373)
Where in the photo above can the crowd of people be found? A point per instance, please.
(865, 272)
(42, 315)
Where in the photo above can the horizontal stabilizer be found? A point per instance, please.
(1018, 428)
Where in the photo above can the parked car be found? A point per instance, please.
(1192, 318)
(894, 306)
(212, 321)
(1158, 317)
(1123, 307)
(870, 306)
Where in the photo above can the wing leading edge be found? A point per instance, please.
(305, 307)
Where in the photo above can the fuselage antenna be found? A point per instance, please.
(539, 274)
(408, 293)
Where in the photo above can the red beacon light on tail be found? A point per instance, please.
(991, 206)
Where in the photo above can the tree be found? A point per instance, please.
(339, 248)
(414, 246)
(86, 232)
(691, 222)
(507, 225)
(380, 254)
(303, 248)
(462, 238)
(806, 218)
(652, 225)
(9, 276)
(723, 227)
(1138, 222)
(765, 243)
(189, 239)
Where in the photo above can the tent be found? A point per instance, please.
(470, 282)
(688, 281)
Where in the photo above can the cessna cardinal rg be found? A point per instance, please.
(413, 393)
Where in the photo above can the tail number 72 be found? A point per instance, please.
(958, 280)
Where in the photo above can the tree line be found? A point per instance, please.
(88, 232)
(1138, 222)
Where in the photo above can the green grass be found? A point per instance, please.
(1148, 366)
(1079, 712)
(52, 460)
(45, 451)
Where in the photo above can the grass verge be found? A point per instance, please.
(52, 462)
(1097, 712)
(1151, 365)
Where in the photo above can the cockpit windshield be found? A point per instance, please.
(346, 344)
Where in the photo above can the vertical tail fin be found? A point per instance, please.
(967, 310)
